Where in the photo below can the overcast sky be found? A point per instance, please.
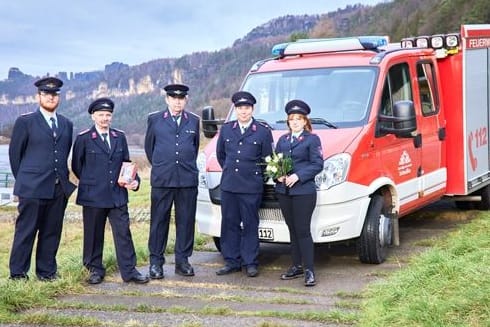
(84, 35)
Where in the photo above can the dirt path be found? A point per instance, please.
(236, 300)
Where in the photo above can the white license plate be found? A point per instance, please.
(266, 234)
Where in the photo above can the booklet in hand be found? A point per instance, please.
(127, 174)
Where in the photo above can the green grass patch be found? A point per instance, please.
(449, 285)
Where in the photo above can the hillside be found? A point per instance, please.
(214, 76)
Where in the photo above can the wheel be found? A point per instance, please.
(377, 233)
(485, 198)
(217, 243)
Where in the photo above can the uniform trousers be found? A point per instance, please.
(239, 228)
(43, 217)
(94, 221)
(297, 211)
(184, 200)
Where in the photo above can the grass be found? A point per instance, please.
(449, 285)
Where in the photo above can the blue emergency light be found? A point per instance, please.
(305, 46)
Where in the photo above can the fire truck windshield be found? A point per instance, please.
(340, 95)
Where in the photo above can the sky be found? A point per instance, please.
(50, 36)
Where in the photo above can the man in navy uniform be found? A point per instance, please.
(38, 153)
(242, 146)
(171, 146)
(98, 154)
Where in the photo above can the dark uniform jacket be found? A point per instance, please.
(242, 156)
(37, 159)
(306, 152)
(98, 170)
(172, 150)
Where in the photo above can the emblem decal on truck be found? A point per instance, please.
(404, 164)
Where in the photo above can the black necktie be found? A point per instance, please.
(104, 136)
(176, 119)
(53, 126)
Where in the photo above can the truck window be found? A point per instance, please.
(396, 87)
(426, 83)
(328, 91)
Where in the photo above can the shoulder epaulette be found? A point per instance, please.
(229, 122)
(84, 131)
(27, 113)
(154, 112)
(194, 114)
(118, 130)
(263, 123)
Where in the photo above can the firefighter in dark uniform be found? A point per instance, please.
(98, 154)
(241, 148)
(171, 146)
(38, 153)
(296, 192)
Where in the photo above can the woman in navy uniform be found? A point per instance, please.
(38, 153)
(296, 192)
(241, 148)
(98, 154)
(171, 146)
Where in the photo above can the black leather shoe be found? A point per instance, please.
(252, 271)
(139, 279)
(49, 278)
(19, 277)
(227, 270)
(156, 272)
(94, 278)
(292, 272)
(184, 269)
(309, 278)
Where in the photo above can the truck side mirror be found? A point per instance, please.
(209, 123)
(403, 120)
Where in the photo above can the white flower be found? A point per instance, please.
(280, 155)
(268, 159)
(274, 169)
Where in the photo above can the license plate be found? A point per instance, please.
(266, 234)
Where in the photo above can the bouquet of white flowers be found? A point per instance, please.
(277, 165)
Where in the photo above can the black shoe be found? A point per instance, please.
(292, 272)
(49, 278)
(156, 272)
(138, 279)
(19, 277)
(252, 271)
(227, 270)
(309, 278)
(184, 269)
(94, 278)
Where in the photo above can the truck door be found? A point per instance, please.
(399, 157)
(431, 133)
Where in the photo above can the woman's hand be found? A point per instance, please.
(291, 180)
(133, 185)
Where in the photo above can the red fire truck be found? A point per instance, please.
(402, 126)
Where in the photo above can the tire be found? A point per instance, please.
(377, 233)
(217, 243)
(485, 198)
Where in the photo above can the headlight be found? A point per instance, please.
(201, 165)
(334, 171)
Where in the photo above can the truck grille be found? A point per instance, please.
(269, 200)
(269, 214)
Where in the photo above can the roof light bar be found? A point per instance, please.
(329, 45)
(449, 42)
